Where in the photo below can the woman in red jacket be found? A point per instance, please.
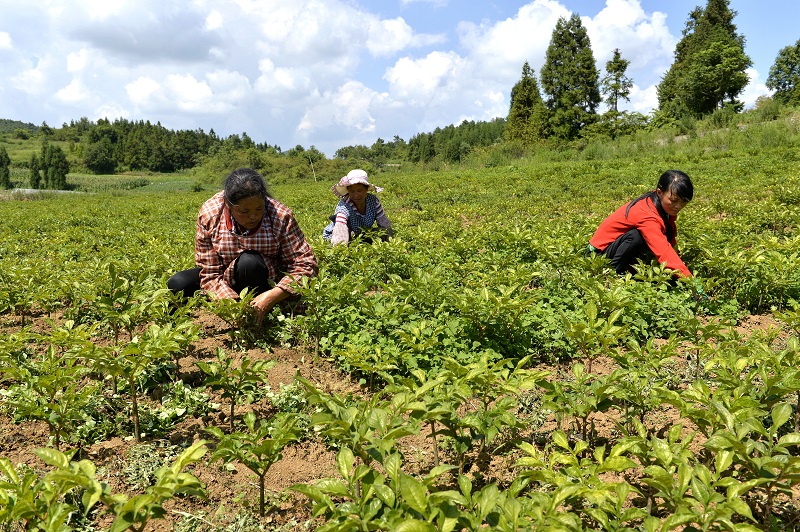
(646, 225)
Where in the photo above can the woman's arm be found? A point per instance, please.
(341, 233)
(381, 219)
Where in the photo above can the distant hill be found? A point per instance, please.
(8, 126)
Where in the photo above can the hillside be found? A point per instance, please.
(8, 126)
(478, 371)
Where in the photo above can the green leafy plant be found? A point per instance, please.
(596, 335)
(154, 345)
(56, 394)
(579, 481)
(239, 316)
(370, 428)
(20, 289)
(38, 502)
(495, 385)
(236, 383)
(259, 447)
(578, 396)
(135, 513)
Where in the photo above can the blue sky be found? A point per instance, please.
(328, 73)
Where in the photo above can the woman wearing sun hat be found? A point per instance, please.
(357, 209)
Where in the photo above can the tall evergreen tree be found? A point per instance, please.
(709, 67)
(616, 85)
(44, 161)
(527, 115)
(570, 79)
(34, 177)
(784, 75)
(5, 170)
(58, 168)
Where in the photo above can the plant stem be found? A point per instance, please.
(435, 443)
(134, 410)
(261, 503)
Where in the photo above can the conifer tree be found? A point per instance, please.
(5, 170)
(44, 162)
(616, 85)
(709, 67)
(570, 79)
(527, 115)
(34, 177)
(58, 168)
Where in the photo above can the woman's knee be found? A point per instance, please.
(185, 281)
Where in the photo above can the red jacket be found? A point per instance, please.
(644, 217)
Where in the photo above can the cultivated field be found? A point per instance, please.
(477, 371)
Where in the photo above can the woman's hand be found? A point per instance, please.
(264, 302)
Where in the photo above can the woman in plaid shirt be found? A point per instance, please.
(247, 239)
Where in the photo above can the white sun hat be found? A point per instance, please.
(353, 177)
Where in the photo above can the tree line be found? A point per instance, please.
(707, 76)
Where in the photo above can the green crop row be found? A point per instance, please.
(480, 327)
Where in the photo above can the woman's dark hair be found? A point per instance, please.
(678, 183)
(244, 183)
(673, 181)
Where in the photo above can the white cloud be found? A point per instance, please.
(110, 111)
(389, 36)
(5, 41)
(77, 61)
(142, 90)
(214, 20)
(499, 49)
(755, 89)
(436, 3)
(73, 93)
(337, 72)
(191, 94)
(229, 86)
(101, 10)
(642, 100)
(643, 40)
(419, 80)
(348, 107)
(32, 81)
(283, 84)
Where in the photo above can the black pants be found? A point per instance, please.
(249, 271)
(626, 250)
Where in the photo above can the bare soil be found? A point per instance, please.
(233, 491)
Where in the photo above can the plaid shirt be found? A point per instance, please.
(278, 239)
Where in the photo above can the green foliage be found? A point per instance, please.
(259, 447)
(527, 117)
(38, 503)
(570, 79)
(615, 84)
(5, 172)
(784, 75)
(236, 383)
(57, 167)
(445, 327)
(239, 315)
(136, 512)
(54, 394)
(709, 68)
